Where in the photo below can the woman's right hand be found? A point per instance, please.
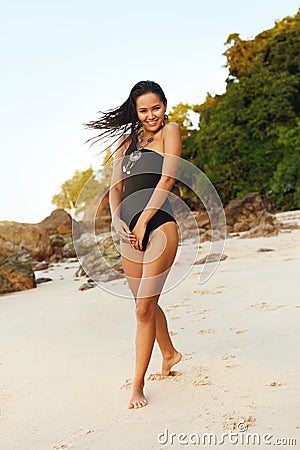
(123, 230)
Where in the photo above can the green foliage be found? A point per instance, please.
(71, 189)
(285, 182)
(105, 172)
(180, 115)
(87, 184)
(249, 136)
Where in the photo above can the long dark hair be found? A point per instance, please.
(123, 119)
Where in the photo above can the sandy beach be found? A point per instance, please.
(67, 358)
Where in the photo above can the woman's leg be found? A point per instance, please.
(132, 261)
(170, 355)
(158, 260)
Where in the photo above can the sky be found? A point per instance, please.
(63, 61)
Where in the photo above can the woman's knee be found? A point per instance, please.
(145, 310)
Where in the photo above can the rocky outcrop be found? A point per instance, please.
(97, 216)
(15, 236)
(241, 213)
(16, 273)
(250, 216)
(264, 225)
(61, 223)
(99, 260)
(51, 239)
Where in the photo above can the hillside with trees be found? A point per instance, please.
(249, 137)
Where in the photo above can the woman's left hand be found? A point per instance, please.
(139, 232)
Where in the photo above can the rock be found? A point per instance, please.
(289, 226)
(57, 240)
(60, 222)
(263, 226)
(261, 250)
(43, 280)
(16, 273)
(194, 203)
(86, 286)
(205, 235)
(97, 216)
(85, 244)
(41, 266)
(55, 259)
(15, 237)
(202, 219)
(98, 260)
(68, 250)
(241, 213)
(213, 257)
(241, 226)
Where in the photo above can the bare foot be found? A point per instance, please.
(138, 399)
(169, 362)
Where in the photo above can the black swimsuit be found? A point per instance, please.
(138, 188)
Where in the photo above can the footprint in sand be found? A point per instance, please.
(232, 366)
(200, 378)
(239, 423)
(239, 331)
(207, 331)
(159, 376)
(266, 307)
(203, 380)
(228, 356)
(276, 384)
(204, 311)
(205, 292)
(187, 356)
(127, 384)
(73, 437)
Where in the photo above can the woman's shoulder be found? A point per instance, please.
(170, 125)
(171, 129)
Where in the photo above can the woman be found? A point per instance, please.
(142, 215)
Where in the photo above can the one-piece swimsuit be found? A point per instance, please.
(138, 188)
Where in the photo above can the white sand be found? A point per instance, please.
(65, 355)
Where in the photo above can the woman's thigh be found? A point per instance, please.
(158, 259)
(132, 261)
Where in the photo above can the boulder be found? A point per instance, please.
(264, 225)
(241, 213)
(100, 259)
(16, 273)
(15, 236)
(61, 223)
(97, 216)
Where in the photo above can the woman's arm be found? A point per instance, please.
(116, 184)
(115, 194)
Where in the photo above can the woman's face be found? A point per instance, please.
(150, 111)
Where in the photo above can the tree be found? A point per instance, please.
(84, 186)
(248, 136)
(71, 189)
(180, 115)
